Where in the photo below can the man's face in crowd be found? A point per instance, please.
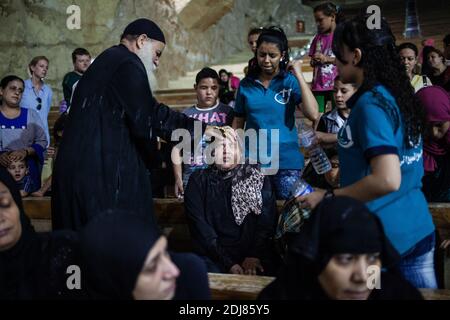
(207, 92)
(150, 52)
(158, 49)
(82, 63)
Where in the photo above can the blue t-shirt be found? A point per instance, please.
(271, 108)
(374, 128)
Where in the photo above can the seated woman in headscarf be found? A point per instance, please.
(22, 135)
(436, 148)
(231, 211)
(125, 257)
(341, 253)
(32, 265)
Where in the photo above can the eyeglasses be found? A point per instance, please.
(39, 101)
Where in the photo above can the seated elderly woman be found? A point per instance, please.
(23, 136)
(32, 265)
(231, 211)
(125, 257)
(436, 147)
(341, 253)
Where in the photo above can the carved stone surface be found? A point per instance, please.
(29, 28)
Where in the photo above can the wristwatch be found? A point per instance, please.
(329, 194)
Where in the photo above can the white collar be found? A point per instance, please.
(207, 109)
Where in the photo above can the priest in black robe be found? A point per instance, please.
(104, 156)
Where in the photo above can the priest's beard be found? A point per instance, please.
(146, 56)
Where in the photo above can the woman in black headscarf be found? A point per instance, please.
(231, 211)
(337, 255)
(125, 257)
(32, 265)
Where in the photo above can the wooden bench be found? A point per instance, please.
(242, 287)
(171, 218)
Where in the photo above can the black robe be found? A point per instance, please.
(104, 156)
(214, 231)
(36, 267)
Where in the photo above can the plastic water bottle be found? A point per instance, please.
(308, 140)
(300, 188)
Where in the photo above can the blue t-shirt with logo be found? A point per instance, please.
(271, 108)
(374, 128)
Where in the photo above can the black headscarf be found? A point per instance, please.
(342, 225)
(17, 263)
(114, 246)
(337, 225)
(35, 268)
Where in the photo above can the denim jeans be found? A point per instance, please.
(283, 182)
(417, 264)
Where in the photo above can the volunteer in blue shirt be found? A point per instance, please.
(266, 102)
(380, 146)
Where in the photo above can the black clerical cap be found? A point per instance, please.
(144, 26)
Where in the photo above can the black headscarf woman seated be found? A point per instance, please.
(125, 257)
(32, 265)
(231, 211)
(337, 255)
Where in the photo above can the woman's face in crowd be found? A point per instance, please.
(324, 23)
(227, 154)
(224, 77)
(252, 40)
(345, 276)
(157, 280)
(10, 226)
(435, 60)
(269, 56)
(409, 59)
(12, 94)
(438, 130)
(342, 92)
(40, 69)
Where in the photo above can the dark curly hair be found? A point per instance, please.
(329, 9)
(381, 63)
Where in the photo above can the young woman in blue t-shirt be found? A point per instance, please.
(380, 146)
(266, 102)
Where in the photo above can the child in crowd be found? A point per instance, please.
(332, 121)
(20, 172)
(321, 53)
(209, 110)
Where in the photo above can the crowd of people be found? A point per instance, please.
(387, 138)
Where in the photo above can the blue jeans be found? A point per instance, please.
(283, 182)
(417, 264)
